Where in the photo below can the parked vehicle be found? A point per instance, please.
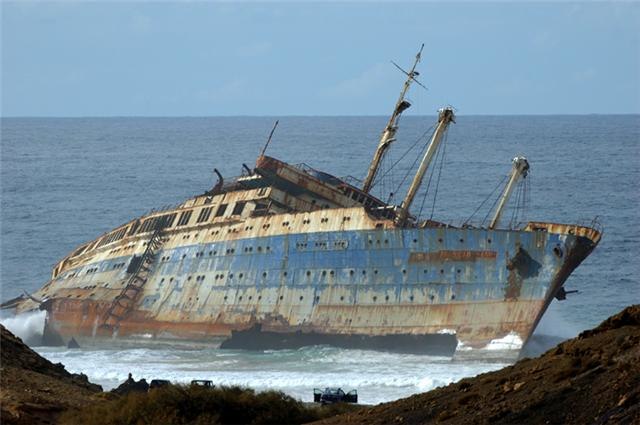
(157, 383)
(334, 395)
(203, 383)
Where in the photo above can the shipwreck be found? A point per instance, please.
(286, 255)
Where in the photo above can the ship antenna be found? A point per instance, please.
(269, 139)
(392, 126)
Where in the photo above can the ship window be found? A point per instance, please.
(134, 227)
(205, 213)
(411, 298)
(184, 218)
(238, 208)
(386, 298)
(221, 209)
(375, 298)
(301, 297)
(453, 296)
(281, 296)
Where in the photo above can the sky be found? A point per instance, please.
(273, 59)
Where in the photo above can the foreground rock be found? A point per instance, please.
(32, 389)
(591, 379)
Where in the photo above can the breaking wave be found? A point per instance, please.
(28, 326)
(378, 376)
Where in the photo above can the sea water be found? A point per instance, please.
(65, 181)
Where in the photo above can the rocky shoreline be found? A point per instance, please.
(593, 378)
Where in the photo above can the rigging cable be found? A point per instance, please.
(435, 195)
(426, 192)
(485, 200)
(492, 206)
(418, 140)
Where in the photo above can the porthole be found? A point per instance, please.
(324, 272)
(225, 297)
(301, 297)
(285, 274)
(250, 297)
(351, 272)
(411, 298)
(308, 273)
(375, 299)
(264, 274)
(432, 297)
(489, 240)
(453, 296)
(404, 271)
(341, 298)
(281, 297)
(364, 272)
(240, 275)
(441, 271)
(440, 240)
(259, 297)
(240, 298)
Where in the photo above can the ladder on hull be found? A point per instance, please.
(140, 268)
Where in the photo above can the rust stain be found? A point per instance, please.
(444, 255)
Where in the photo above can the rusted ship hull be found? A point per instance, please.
(361, 276)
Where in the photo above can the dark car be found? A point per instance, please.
(157, 383)
(334, 395)
(203, 383)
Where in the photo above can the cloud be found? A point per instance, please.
(368, 81)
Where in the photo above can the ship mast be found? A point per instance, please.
(388, 135)
(445, 116)
(520, 169)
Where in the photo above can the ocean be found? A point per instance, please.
(65, 181)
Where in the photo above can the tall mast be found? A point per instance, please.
(392, 126)
(520, 169)
(445, 116)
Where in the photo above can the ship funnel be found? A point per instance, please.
(520, 169)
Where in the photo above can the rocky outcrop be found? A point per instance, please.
(32, 389)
